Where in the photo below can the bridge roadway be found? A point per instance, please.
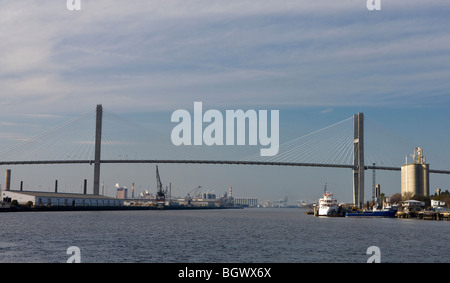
(228, 162)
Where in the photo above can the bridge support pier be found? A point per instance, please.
(98, 144)
(358, 159)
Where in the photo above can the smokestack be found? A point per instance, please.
(21, 185)
(132, 190)
(231, 192)
(85, 186)
(8, 180)
(56, 186)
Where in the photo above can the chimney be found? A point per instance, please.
(8, 180)
(56, 186)
(21, 185)
(85, 186)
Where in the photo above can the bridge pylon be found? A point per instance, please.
(98, 143)
(358, 159)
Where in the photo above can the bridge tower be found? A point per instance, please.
(358, 159)
(98, 144)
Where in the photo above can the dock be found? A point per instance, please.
(425, 215)
(432, 215)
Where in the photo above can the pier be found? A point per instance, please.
(424, 215)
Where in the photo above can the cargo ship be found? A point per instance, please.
(385, 212)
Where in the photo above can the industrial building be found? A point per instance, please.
(246, 201)
(39, 199)
(59, 199)
(122, 192)
(415, 176)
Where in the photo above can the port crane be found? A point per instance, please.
(160, 194)
(194, 192)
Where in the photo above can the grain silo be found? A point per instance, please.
(415, 176)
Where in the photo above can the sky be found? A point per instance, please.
(317, 62)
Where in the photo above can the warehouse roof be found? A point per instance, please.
(60, 195)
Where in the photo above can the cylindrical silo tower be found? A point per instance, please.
(415, 176)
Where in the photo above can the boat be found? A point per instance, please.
(327, 204)
(385, 212)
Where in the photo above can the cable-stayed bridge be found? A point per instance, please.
(81, 141)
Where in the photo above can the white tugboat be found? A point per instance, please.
(328, 204)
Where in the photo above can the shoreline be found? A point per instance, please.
(108, 208)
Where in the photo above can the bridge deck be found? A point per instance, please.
(229, 162)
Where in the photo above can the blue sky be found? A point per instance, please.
(318, 62)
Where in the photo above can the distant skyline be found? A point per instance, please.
(316, 62)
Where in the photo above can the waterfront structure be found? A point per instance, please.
(209, 196)
(146, 195)
(413, 205)
(196, 202)
(246, 201)
(437, 204)
(39, 199)
(415, 176)
(122, 192)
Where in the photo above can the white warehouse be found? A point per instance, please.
(59, 199)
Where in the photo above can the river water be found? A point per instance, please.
(218, 236)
